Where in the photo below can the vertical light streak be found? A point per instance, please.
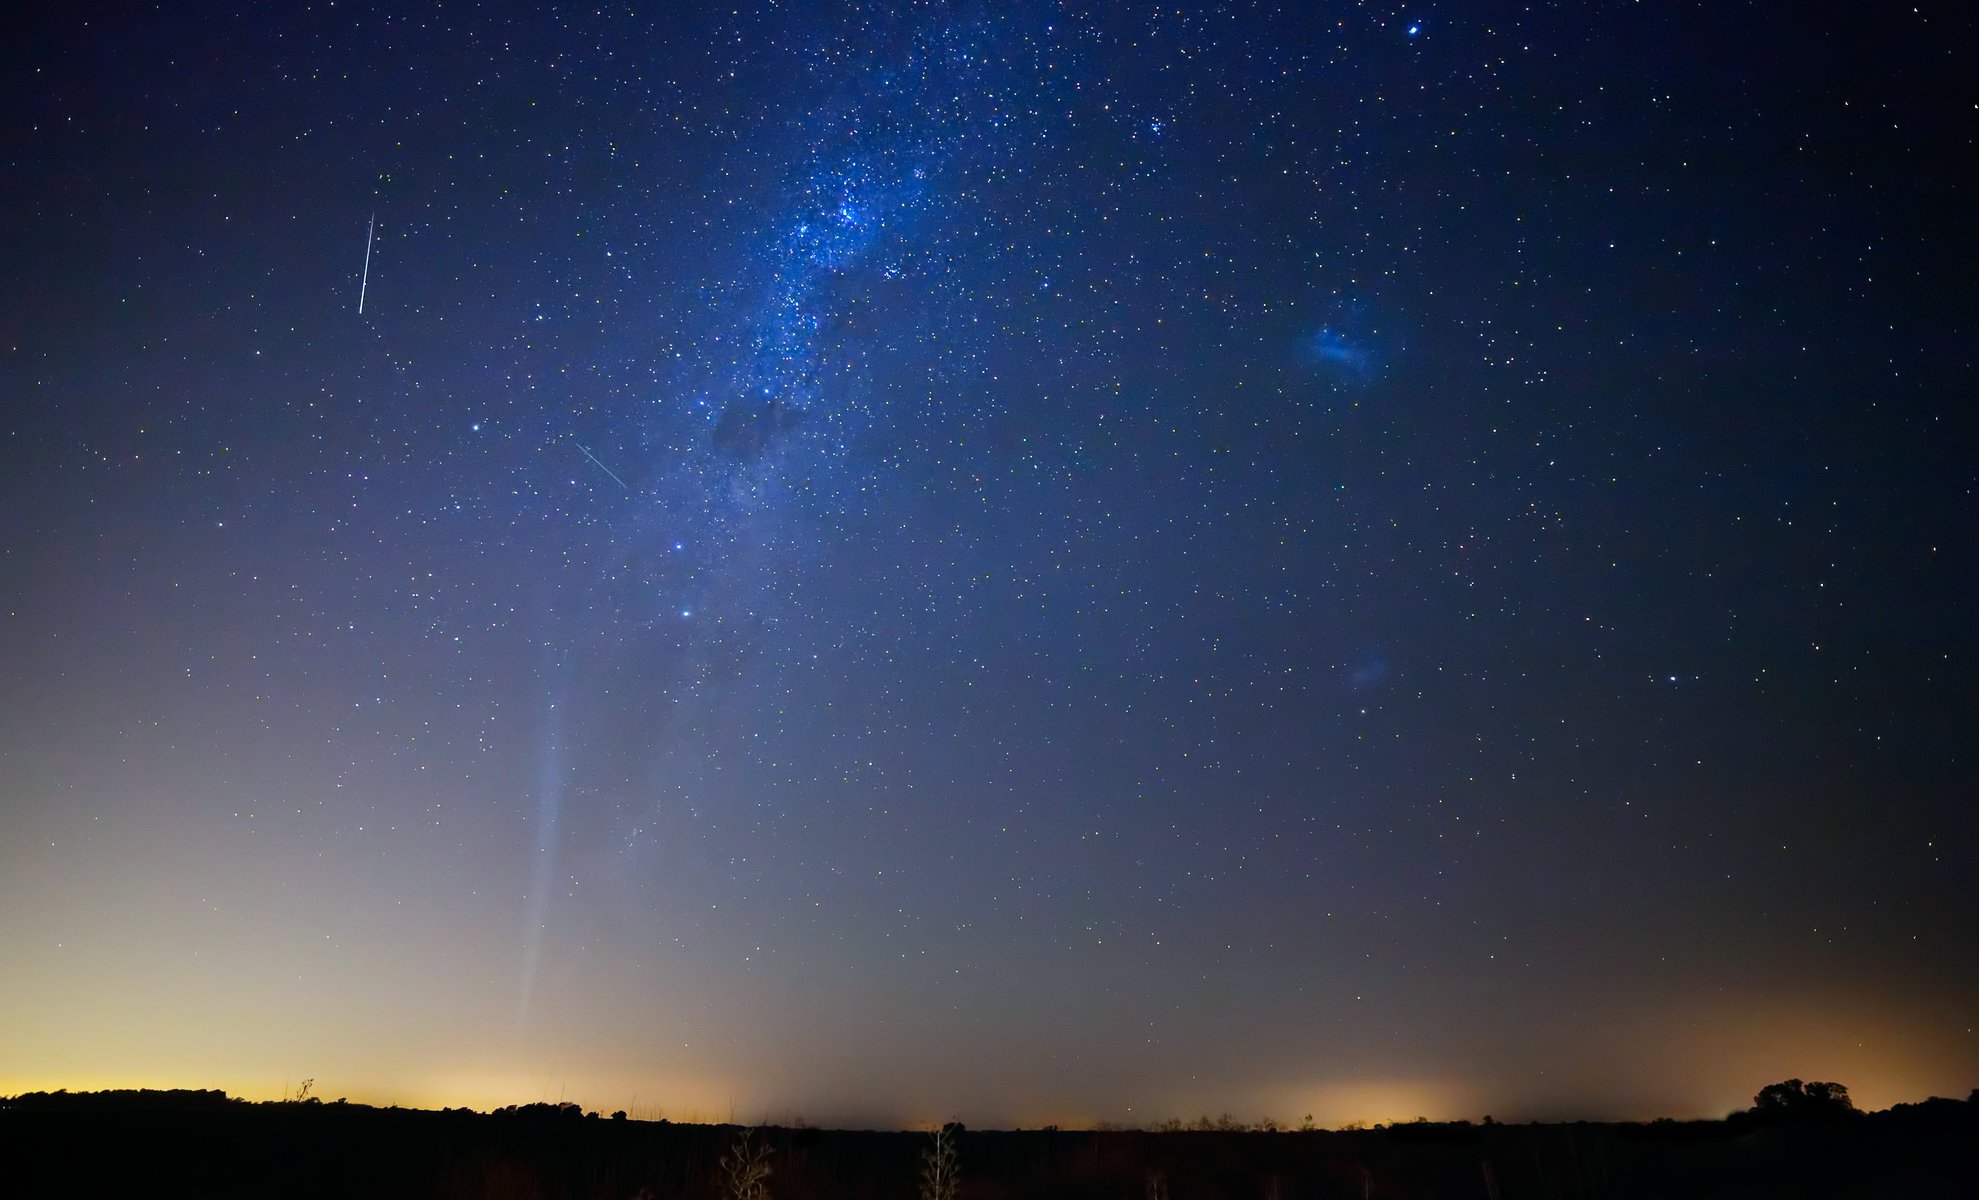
(365, 283)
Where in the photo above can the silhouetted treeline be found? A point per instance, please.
(203, 1143)
(120, 1100)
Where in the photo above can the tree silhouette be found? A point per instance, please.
(1792, 1098)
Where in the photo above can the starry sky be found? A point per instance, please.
(1017, 561)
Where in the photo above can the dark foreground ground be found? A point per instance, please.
(146, 1144)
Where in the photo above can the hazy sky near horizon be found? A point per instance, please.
(1014, 562)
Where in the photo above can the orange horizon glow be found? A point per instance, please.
(1333, 1107)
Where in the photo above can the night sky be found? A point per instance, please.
(1018, 562)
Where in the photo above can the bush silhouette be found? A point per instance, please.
(1792, 1098)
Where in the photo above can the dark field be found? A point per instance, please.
(203, 1144)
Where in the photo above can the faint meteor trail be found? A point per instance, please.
(602, 467)
(366, 281)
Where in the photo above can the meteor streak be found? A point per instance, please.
(366, 281)
(602, 467)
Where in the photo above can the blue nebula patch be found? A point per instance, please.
(1335, 349)
(1348, 349)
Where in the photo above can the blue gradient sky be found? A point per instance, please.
(1005, 561)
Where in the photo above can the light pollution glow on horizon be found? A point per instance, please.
(1787, 1040)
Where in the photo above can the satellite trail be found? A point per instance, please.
(602, 467)
(366, 281)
